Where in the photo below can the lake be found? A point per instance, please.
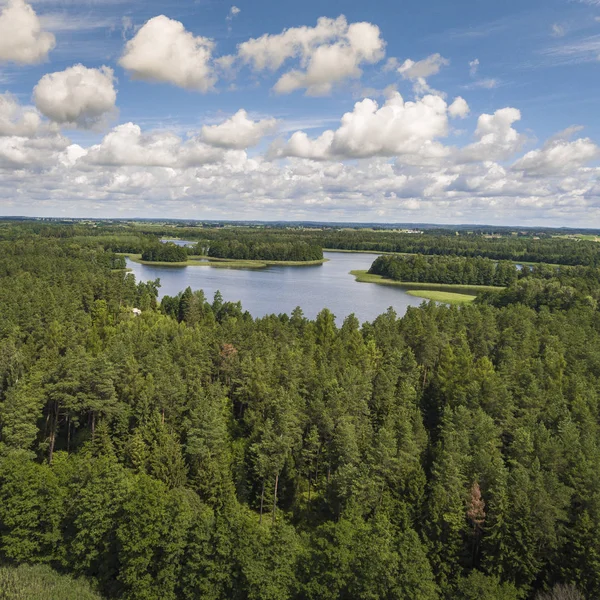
(280, 289)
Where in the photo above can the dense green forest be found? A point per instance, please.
(167, 252)
(445, 269)
(196, 452)
(139, 237)
(257, 249)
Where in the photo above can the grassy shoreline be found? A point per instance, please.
(443, 297)
(439, 292)
(223, 263)
(366, 277)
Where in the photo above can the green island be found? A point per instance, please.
(223, 263)
(447, 293)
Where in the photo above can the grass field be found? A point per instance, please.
(224, 263)
(469, 290)
(588, 237)
(444, 297)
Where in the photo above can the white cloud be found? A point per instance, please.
(473, 67)
(162, 50)
(126, 26)
(391, 64)
(581, 51)
(31, 152)
(486, 84)
(396, 128)
(558, 30)
(558, 157)
(233, 12)
(21, 37)
(25, 139)
(77, 96)
(459, 108)
(238, 132)
(237, 187)
(329, 53)
(496, 137)
(16, 120)
(419, 71)
(61, 22)
(423, 68)
(127, 145)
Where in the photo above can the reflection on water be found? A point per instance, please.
(280, 289)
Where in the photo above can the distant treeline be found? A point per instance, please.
(168, 252)
(445, 269)
(548, 250)
(543, 248)
(247, 249)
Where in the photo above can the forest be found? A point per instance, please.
(138, 237)
(445, 270)
(253, 248)
(197, 452)
(167, 252)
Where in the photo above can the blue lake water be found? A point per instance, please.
(276, 290)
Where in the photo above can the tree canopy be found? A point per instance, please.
(197, 452)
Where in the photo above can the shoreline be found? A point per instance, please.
(222, 263)
(447, 293)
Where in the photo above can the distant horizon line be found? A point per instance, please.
(387, 225)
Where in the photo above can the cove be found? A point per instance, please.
(276, 290)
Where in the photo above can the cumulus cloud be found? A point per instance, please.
(163, 51)
(25, 139)
(396, 128)
(127, 145)
(236, 186)
(21, 37)
(497, 139)
(77, 96)
(558, 157)
(419, 71)
(329, 53)
(459, 108)
(31, 152)
(238, 132)
(16, 120)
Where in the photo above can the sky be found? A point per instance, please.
(471, 111)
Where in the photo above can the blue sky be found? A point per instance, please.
(467, 111)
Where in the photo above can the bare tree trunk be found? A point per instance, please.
(262, 501)
(53, 427)
(317, 466)
(275, 496)
(68, 433)
(93, 423)
(51, 448)
(309, 482)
